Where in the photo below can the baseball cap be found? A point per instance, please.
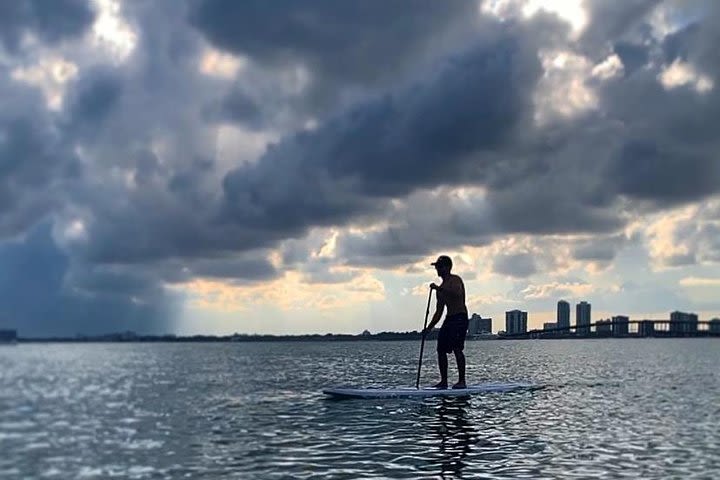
(442, 260)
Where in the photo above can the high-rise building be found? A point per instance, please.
(620, 324)
(563, 314)
(479, 325)
(486, 325)
(582, 318)
(681, 322)
(515, 322)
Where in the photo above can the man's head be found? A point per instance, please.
(443, 265)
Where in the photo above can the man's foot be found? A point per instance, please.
(440, 385)
(459, 385)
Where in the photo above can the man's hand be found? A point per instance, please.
(433, 286)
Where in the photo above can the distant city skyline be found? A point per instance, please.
(516, 321)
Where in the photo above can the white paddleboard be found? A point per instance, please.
(343, 392)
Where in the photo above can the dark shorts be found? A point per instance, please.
(452, 333)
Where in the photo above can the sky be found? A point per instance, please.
(213, 166)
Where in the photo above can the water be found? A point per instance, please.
(624, 408)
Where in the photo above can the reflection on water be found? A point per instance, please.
(613, 408)
(455, 434)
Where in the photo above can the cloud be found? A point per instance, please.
(685, 235)
(700, 282)
(388, 147)
(36, 162)
(601, 249)
(645, 170)
(518, 265)
(43, 293)
(572, 289)
(91, 100)
(47, 21)
(290, 292)
(613, 20)
(344, 44)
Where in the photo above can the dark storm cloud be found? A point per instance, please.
(129, 200)
(241, 269)
(93, 97)
(549, 204)
(394, 246)
(242, 108)
(35, 160)
(48, 20)
(419, 226)
(667, 151)
(633, 56)
(319, 271)
(677, 45)
(643, 169)
(600, 249)
(341, 42)
(35, 299)
(436, 132)
(647, 143)
(519, 265)
(390, 146)
(613, 20)
(710, 242)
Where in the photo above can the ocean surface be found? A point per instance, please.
(614, 408)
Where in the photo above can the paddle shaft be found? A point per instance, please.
(422, 342)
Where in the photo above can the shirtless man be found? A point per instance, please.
(450, 293)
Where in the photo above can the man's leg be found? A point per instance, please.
(460, 359)
(443, 366)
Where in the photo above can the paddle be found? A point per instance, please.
(422, 342)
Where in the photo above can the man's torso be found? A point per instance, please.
(455, 305)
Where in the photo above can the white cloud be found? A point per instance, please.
(289, 293)
(700, 282)
(563, 90)
(220, 64)
(666, 245)
(556, 290)
(571, 11)
(611, 67)
(111, 32)
(685, 235)
(50, 74)
(681, 73)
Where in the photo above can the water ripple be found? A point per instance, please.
(606, 409)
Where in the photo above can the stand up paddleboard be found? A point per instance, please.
(424, 392)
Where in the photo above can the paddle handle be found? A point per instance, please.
(422, 341)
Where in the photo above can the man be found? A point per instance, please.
(451, 294)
